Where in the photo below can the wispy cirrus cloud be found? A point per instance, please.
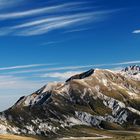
(77, 30)
(41, 20)
(32, 12)
(23, 66)
(45, 28)
(51, 69)
(55, 19)
(127, 62)
(78, 67)
(46, 25)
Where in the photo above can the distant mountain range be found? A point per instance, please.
(103, 99)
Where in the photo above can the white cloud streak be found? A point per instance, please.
(55, 19)
(75, 67)
(136, 32)
(23, 66)
(34, 11)
(46, 25)
(77, 30)
(45, 28)
(51, 18)
(60, 75)
(127, 62)
(51, 69)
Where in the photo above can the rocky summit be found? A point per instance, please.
(99, 98)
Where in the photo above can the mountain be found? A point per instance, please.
(98, 98)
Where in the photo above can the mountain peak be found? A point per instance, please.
(82, 75)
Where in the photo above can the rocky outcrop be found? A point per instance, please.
(82, 75)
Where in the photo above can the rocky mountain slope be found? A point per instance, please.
(99, 98)
(132, 72)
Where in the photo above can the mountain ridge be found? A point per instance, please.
(102, 99)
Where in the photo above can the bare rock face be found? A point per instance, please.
(132, 72)
(132, 69)
(97, 98)
(82, 75)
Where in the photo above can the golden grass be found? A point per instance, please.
(15, 137)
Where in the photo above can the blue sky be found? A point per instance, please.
(43, 41)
